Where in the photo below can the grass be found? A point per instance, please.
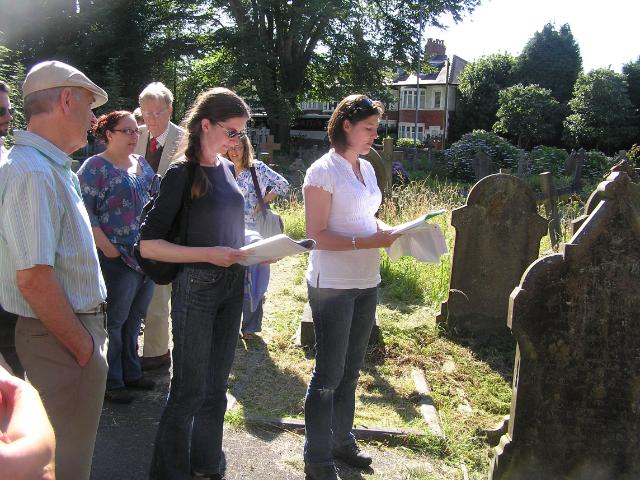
(470, 382)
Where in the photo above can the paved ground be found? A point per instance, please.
(126, 435)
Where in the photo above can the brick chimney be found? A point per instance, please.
(434, 47)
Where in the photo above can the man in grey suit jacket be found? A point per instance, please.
(158, 144)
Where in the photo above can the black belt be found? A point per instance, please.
(100, 309)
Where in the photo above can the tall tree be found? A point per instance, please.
(480, 84)
(631, 70)
(602, 114)
(551, 59)
(529, 114)
(276, 41)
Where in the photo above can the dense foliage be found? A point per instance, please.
(602, 115)
(528, 114)
(459, 156)
(551, 59)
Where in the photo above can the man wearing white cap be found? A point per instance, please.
(49, 271)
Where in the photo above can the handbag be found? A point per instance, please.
(163, 273)
(268, 223)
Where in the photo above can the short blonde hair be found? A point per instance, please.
(156, 91)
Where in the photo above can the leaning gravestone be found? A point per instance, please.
(482, 165)
(498, 235)
(575, 411)
(382, 168)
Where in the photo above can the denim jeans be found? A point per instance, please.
(342, 321)
(252, 321)
(128, 297)
(206, 306)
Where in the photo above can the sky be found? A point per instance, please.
(606, 31)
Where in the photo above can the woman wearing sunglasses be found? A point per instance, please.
(115, 186)
(206, 301)
(341, 198)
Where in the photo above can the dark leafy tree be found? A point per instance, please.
(602, 114)
(551, 59)
(528, 114)
(631, 70)
(480, 84)
(12, 72)
(278, 43)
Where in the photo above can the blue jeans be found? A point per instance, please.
(342, 321)
(128, 296)
(206, 305)
(252, 321)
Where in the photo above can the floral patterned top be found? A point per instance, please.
(114, 199)
(266, 178)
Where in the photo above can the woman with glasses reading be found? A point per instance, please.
(250, 172)
(115, 186)
(341, 198)
(206, 301)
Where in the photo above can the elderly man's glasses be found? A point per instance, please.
(146, 113)
(230, 133)
(127, 131)
(5, 110)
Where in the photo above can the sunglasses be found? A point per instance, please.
(5, 110)
(127, 131)
(230, 133)
(362, 104)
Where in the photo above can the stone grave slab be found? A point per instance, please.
(575, 411)
(498, 235)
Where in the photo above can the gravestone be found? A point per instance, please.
(576, 391)
(482, 165)
(383, 170)
(498, 235)
(268, 147)
(306, 337)
(625, 166)
(570, 164)
(523, 164)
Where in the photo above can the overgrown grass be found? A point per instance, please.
(470, 383)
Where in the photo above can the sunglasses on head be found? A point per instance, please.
(363, 104)
(5, 110)
(230, 133)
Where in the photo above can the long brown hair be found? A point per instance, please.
(217, 105)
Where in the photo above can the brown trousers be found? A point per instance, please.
(72, 396)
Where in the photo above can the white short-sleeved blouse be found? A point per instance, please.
(352, 212)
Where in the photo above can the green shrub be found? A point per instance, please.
(634, 155)
(460, 155)
(596, 166)
(547, 159)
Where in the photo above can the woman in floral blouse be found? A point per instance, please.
(271, 185)
(115, 186)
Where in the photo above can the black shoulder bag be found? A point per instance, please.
(161, 272)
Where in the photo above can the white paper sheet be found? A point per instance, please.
(278, 246)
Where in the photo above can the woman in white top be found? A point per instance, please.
(341, 198)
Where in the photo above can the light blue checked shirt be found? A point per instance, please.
(43, 221)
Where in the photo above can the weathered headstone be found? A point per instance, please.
(570, 164)
(268, 147)
(498, 235)
(575, 411)
(577, 172)
(482, 165)
(383, 170)
(625, 166)
(523, 164)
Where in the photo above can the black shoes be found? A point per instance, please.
(141, 384)
(352, 455)
(118, 395)
(320, 472)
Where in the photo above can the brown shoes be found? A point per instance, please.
(153, 363)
